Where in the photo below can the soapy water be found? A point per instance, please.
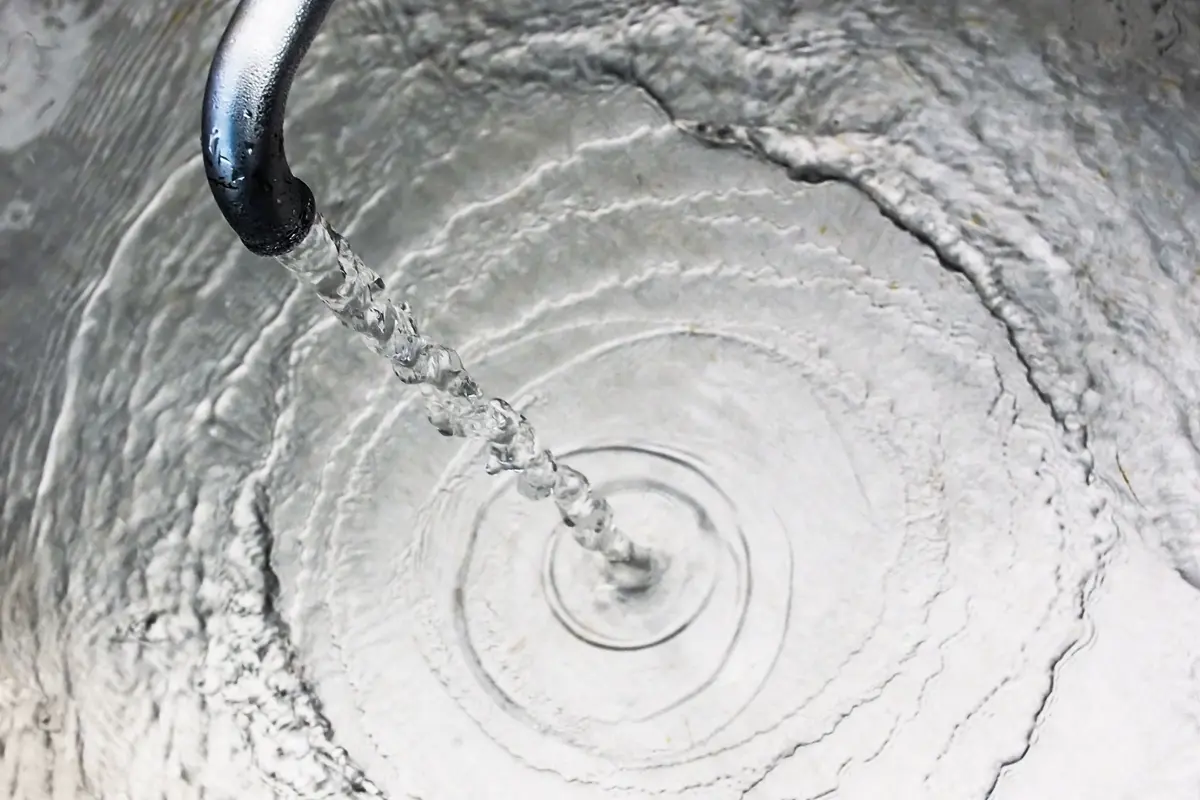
(863, 315)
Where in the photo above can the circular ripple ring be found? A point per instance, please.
(824, 421)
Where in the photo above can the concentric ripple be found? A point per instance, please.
(683, 519)
(672, 666)
(236, 563)
(821, 429)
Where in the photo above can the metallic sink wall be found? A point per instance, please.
(169, 403)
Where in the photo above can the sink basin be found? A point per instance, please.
(928, 273)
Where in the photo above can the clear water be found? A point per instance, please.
(455, 404)
(924, 273)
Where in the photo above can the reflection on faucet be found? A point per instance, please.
(242, 129)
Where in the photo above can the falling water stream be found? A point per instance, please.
(871, 326)
(455, 404)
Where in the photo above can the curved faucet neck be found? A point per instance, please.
(245, 100)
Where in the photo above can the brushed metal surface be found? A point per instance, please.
(177, 418)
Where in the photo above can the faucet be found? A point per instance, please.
(269, 208)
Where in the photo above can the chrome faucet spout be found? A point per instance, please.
(270, 209)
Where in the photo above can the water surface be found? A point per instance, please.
(937, 269)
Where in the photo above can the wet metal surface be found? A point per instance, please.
(226, 542)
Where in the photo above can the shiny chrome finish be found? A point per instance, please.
(242, 130)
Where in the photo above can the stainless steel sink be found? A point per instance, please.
(203, 476)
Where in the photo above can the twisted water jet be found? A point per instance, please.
(454, 403)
